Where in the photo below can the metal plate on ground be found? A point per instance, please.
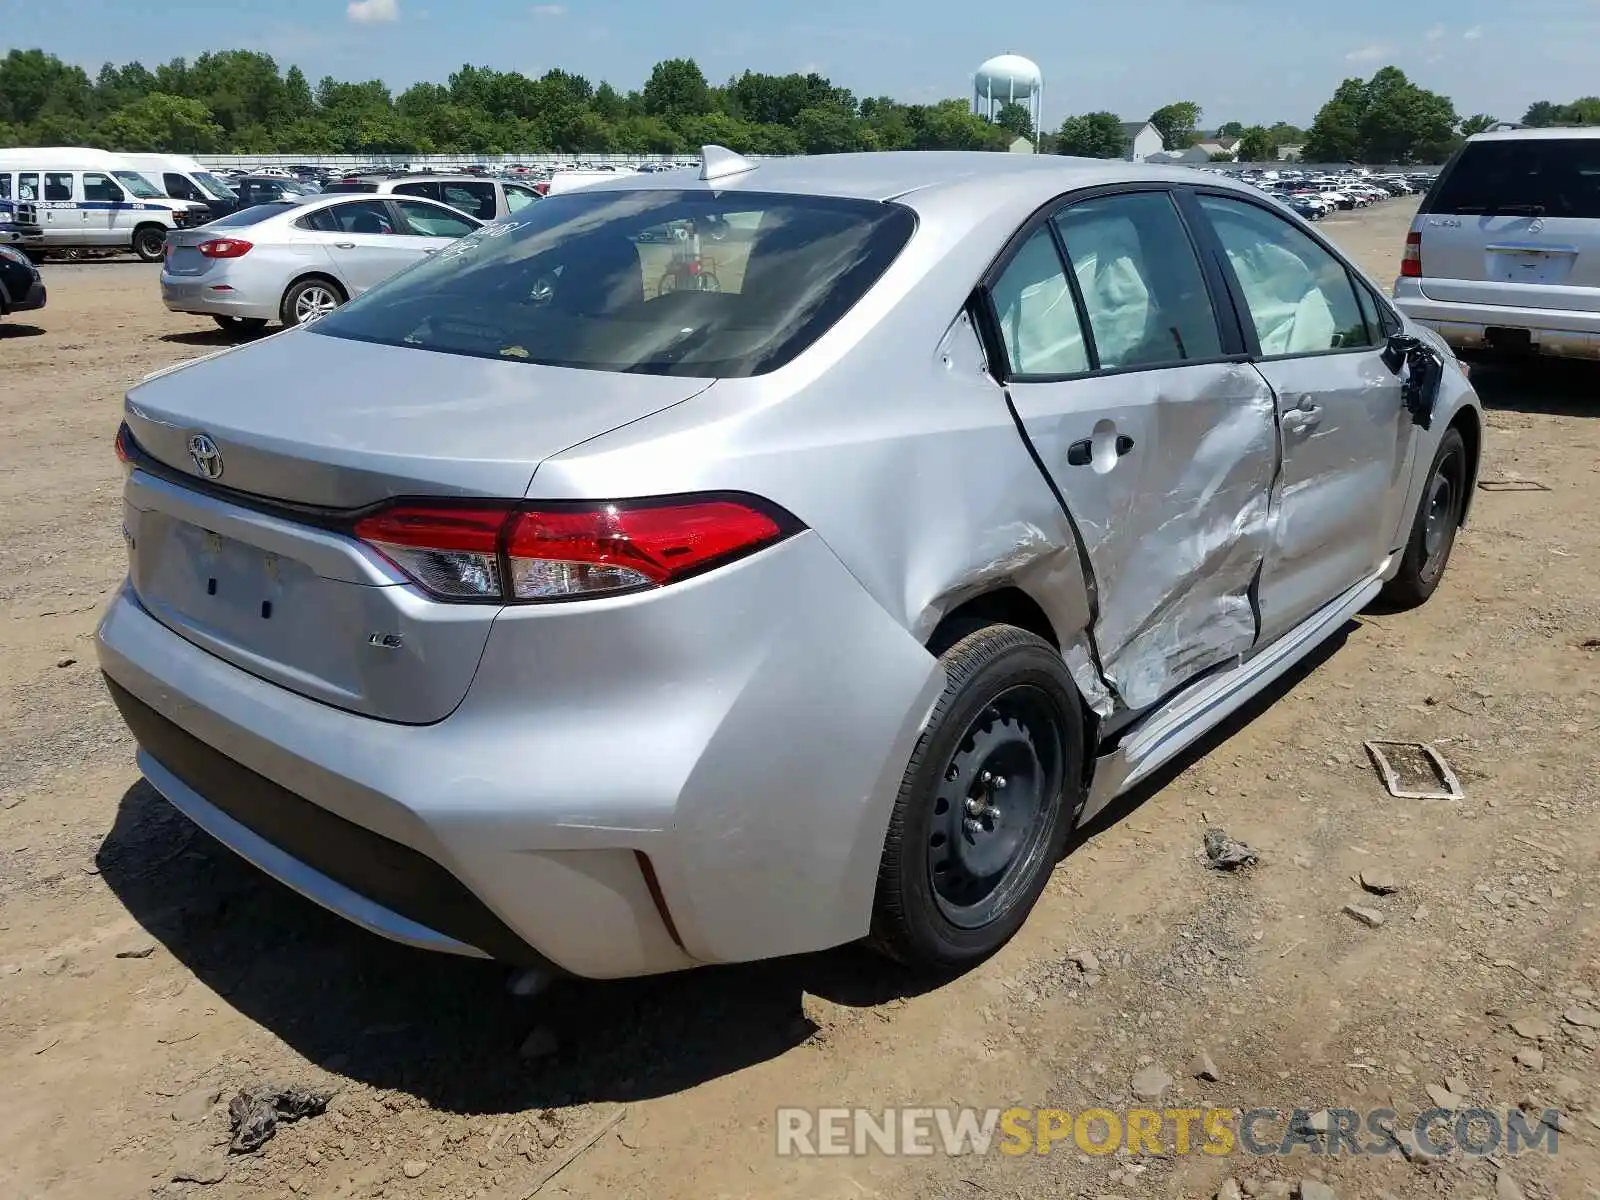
(1415, 771)
(1513, 485)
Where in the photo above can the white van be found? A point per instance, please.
(88, 199)
(180, 178)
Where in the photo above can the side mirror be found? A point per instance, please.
(1399, 349)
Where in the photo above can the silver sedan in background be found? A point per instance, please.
(297, 260)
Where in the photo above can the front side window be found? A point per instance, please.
(652, 281)
(28, 185)
(97, 187)
(58, 185)
(180, 188)
(1038, 320)
(1143, 291)
(1301, 298)
(428, 220)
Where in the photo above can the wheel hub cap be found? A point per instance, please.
(1441, 514)
(314, 304)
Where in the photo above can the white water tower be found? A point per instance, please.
(1009, 79)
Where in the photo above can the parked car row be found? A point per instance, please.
(1317, 196)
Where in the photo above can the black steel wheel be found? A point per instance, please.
(985, 805)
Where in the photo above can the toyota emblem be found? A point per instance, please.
(205, 455)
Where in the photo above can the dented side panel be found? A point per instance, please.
(1167, 474)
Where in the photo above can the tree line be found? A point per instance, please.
(239, 101)
(1385, 119)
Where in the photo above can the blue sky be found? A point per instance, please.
(1249, 60)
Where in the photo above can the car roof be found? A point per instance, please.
(1554, 132)
(328, 199)
(920, 174)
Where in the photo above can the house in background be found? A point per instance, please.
(1140, 141)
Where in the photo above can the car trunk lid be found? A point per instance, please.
(238, 528)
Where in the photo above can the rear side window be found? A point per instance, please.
(1143, 290)
(429, 191)
(1037, 317)
(1540, 177)
(518, 198)
(5, 185)
(474, 199)
(58, 186)
(652, 281)
(361, 216)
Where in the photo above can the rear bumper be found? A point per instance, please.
(201, 298)
(1559, 332)
(745, 732)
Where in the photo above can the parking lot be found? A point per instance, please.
(145, 972)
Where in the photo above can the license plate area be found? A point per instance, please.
(221, 586)
(1535, 267)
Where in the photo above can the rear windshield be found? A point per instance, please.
(1538, 177)
(659, 282)
(251, 216)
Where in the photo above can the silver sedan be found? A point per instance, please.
(707, 567)
(295, 261)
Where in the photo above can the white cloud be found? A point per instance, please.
(1435, 34)
(1370, 53)
(549, 10)
(373, 12)
(1474, 33)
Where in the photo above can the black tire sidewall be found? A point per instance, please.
(146, 234)
(1411, 586)
(909, 923)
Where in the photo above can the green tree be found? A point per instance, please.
(1230, 129)
(1542, 114)
(1093, 135)
(159, 122)
(1285, 134)
(1481, 123)
(1177, 123)
(828, 129)
(677, 88)
(1016, 120)
(1256, 145)
(1335, 135)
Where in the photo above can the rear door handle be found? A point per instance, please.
(344, 245)
(1304, 417)
(1081, 452)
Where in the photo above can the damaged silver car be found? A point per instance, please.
(704, 567)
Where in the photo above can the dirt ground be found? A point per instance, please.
(145, 972)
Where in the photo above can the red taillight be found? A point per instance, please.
(517, 554)
(224, 248)
(1411, 264)
(542, 187)
(124, 445)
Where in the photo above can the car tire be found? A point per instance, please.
(307, 300)
(239, 326)
(150, 243)
(985, 805)
(1433, 529)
